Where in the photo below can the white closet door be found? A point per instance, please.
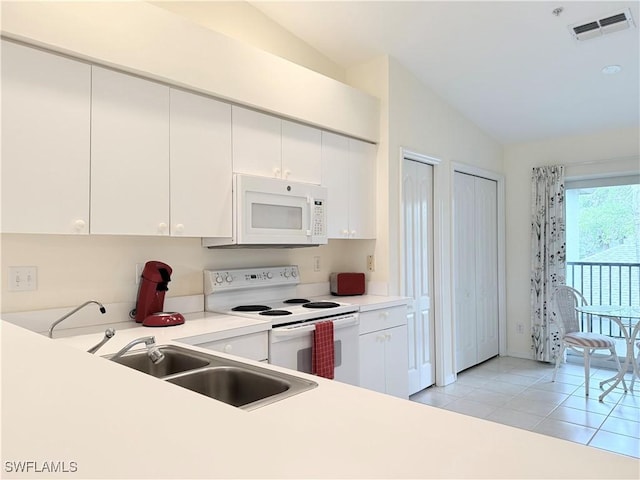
(476, 269)
(417, 191)
(465, 271)
(486, 202)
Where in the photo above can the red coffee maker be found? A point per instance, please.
(153, 285)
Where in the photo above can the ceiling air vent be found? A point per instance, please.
(613, 22)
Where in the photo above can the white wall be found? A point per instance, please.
(601, 153)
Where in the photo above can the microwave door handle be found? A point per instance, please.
(310, 204)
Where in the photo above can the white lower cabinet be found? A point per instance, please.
(383, 351)
(254, 346)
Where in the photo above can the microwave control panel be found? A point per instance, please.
(318, 219)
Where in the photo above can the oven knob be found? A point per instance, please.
(286, 274)
(269, 275)
(294, 274)
(229, 278)
(218, 279)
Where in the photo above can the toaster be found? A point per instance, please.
(347, 283)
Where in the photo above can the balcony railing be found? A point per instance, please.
(606, 284)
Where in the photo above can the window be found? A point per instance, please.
(603, 242)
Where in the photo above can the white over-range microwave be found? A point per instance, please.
(270, 212)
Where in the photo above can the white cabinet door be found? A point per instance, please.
(396, 363)
(335, 161)
(46, 105)
(349, 173)
(383, 351)
(362, 189)
(200, 146)
(129, 155)
(301, 153)
(372, 362)
(257, 143)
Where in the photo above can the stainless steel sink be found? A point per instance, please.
(176, 360)
(242, 385)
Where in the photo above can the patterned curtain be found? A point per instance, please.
(548, 254)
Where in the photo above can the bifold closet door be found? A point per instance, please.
(475, 269)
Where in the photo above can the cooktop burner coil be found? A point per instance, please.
(275, 313)
(250, 308)
(321, 305)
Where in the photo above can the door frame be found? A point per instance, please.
(435, 306)
(502, 301)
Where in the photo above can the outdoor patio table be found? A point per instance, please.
(628, 319)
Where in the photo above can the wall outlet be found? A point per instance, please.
(520, 329)
(139, 268)
(316, 263)
(23, 279)
(371, 263)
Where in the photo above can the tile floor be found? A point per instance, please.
(520, 393)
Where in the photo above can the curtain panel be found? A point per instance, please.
(548, 255)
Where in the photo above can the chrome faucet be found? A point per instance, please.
(153, 351)
(67, 315)
(108, 335)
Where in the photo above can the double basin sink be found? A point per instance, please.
(242, 385)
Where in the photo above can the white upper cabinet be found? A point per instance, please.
(200, 145)
(129, 155)
(301, 153)
(348, 172)
(335, 161)
(46, 105)
(267, 146)
(362, 189)
(257, 143)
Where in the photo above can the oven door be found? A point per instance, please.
(290, 347)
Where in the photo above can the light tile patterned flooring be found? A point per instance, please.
(520, 393)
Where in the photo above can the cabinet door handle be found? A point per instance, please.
(277, 172)
(353, 233)
(179, 228)
(227, 348)
(345, 233)
(387, 337)
(79, 225)
(287, 172)
(162, 227)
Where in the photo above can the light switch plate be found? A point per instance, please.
(23, 279)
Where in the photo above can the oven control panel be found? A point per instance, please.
(245, 278)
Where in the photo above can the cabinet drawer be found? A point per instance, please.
(375, 320)
(254, 346)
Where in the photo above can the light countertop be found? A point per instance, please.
(61, 404)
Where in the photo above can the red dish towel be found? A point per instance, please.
(322, 353)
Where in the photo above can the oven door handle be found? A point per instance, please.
(293, 332)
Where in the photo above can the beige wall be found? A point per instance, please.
(601, 153)
(72, 269)
(244, 22)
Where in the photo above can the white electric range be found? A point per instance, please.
(269, 293)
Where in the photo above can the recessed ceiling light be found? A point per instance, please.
(611, 69)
